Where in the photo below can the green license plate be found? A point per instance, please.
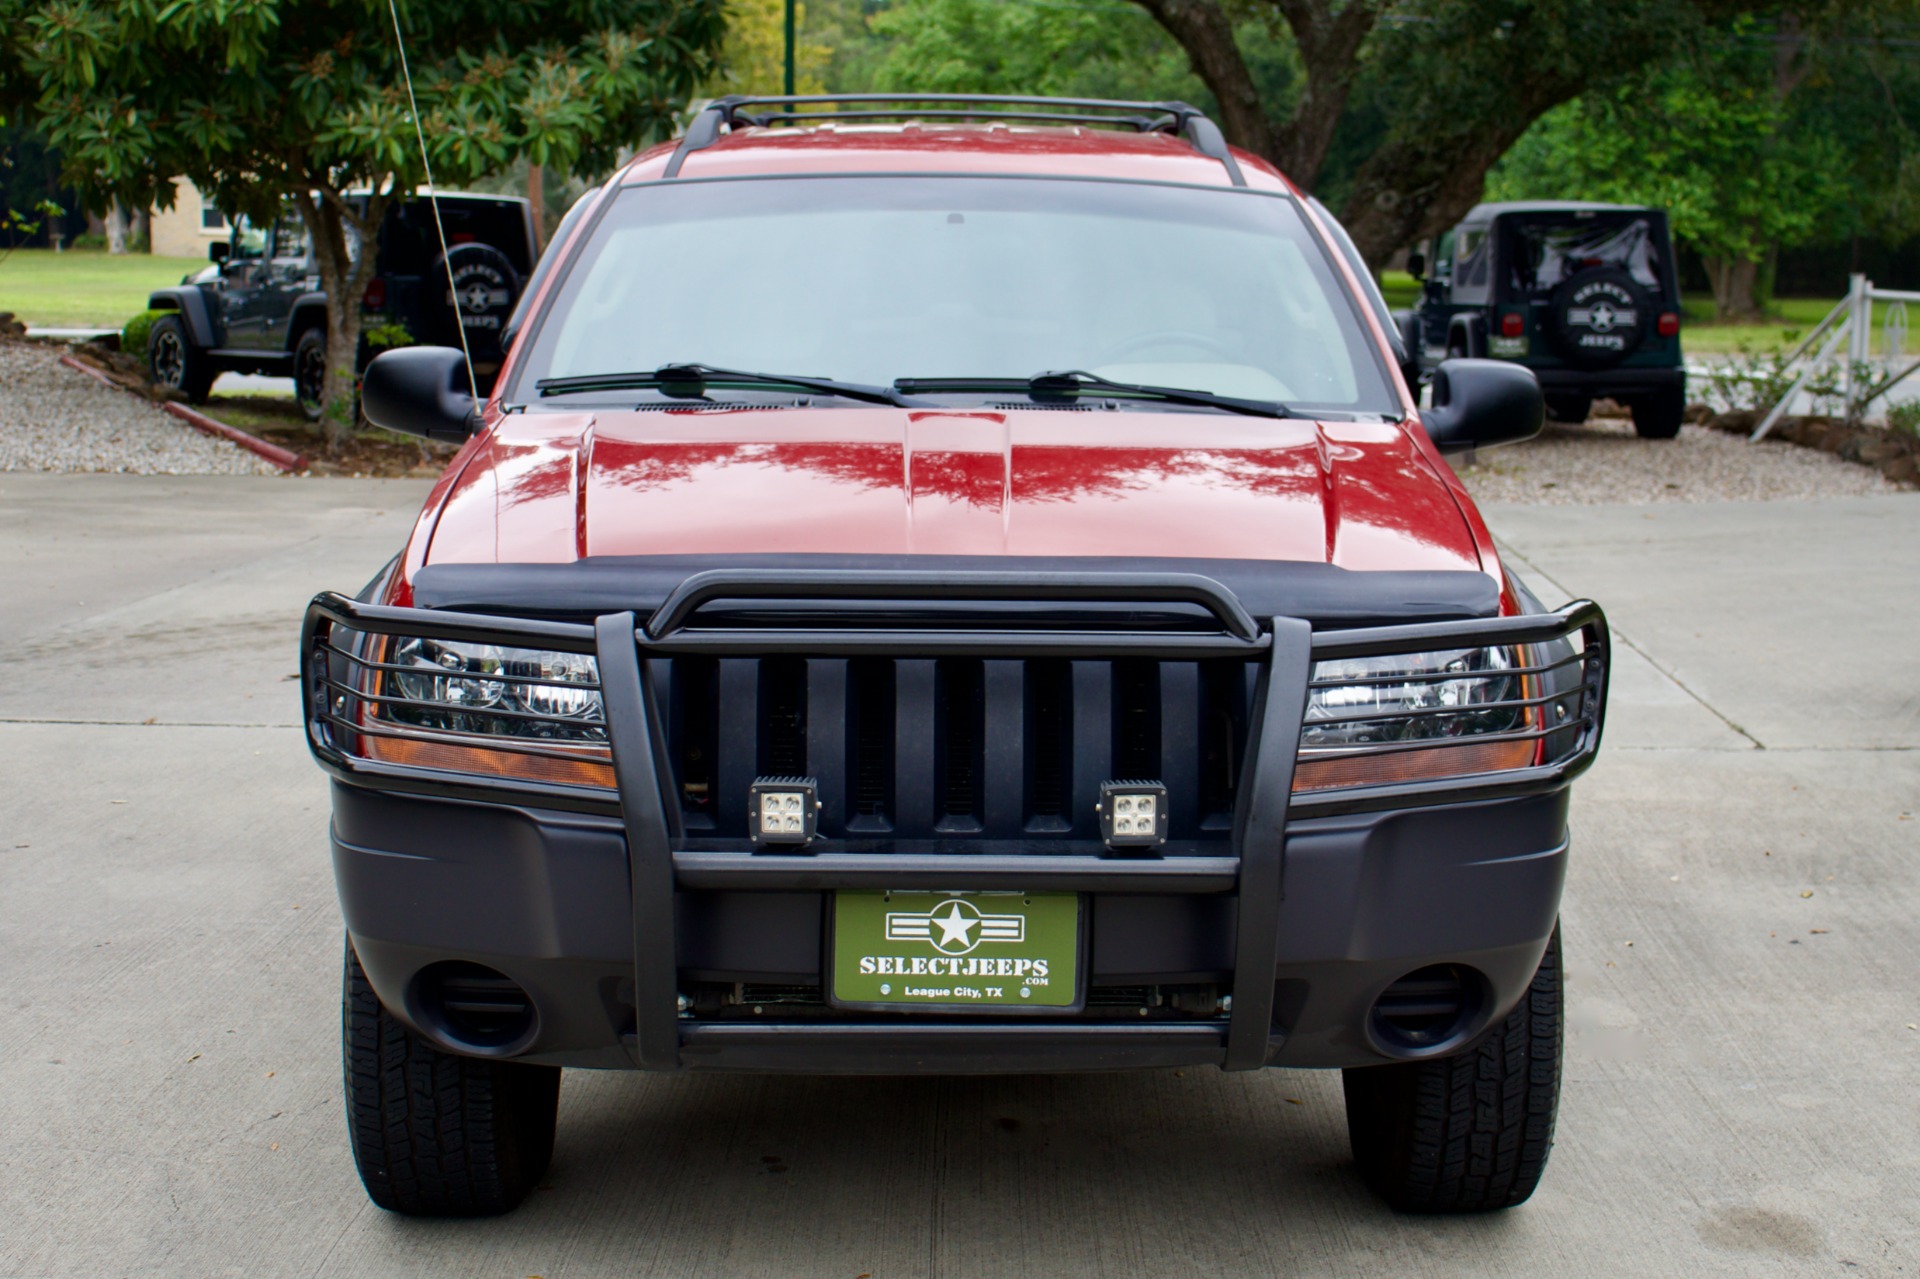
(956, 950)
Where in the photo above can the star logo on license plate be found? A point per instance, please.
(955, 927)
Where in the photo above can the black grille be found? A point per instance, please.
(1008, 750)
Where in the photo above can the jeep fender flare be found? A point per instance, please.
(192, 306)
(309, 311)
(1467, 336)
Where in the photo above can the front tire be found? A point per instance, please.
(1658, 416)
(1468, 1133)
(310, 372)
(174, 362)
(436, 1135)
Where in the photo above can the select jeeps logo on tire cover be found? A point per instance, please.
(480, 295)
(1601, 316)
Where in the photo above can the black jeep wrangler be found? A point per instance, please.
(261, 310)
(1583, 294)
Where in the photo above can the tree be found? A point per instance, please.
(753, 60)
(1460, 80)
(266, 103)
(1768, 133)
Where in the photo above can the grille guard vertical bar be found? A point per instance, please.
(630, 716)
(1259, 839)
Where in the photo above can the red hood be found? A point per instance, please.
(554, 487)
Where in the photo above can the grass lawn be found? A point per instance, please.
(84, 288)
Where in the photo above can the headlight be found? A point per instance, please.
(1415, 716)
(483, 708)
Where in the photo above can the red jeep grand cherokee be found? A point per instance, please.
(946, 585)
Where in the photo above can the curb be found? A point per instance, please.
(285, 459)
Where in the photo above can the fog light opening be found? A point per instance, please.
(474, 1006)
(1429, 1010)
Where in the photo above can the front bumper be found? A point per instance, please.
(605, 912)
(543, 897)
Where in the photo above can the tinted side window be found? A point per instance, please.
(1472, 270)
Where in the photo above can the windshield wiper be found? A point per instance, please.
(696, 377)
(1060, 383)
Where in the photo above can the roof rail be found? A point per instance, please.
(1177, 118)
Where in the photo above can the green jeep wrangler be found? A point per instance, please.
(1583, 294)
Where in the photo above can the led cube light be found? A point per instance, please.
(783, 810)
(1133, 814)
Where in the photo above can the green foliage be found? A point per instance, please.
(133, 336)
(256, 99)
(753, 60)
(387, 336)
(1054, 49)
(19, 227)
(1709, 138)
(1904, 417)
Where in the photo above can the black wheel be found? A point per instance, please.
(471, 290)
(310, 372)
(1658, 416)
(1468, 1133)
(435, 1135)
(175, 362)
(1599, 316)
(1569, 408)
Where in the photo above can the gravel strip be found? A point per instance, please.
(55, 419)
(1604, 461)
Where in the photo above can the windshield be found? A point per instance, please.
(870, 280)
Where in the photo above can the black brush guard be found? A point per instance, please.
(1282, 649)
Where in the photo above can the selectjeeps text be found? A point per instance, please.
(950, 584)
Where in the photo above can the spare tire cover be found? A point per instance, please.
(479, 298)
(1600, 316)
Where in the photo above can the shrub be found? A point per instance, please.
(1904, 417)
(133, 338)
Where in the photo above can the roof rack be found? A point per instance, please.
(1177, 118)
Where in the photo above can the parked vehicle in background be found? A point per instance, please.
(1585, 295)
(970, 593)
(259, 308)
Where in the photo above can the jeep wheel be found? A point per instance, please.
(174, 362)
(436, 1135)
(1468, 1133)
(472, 290)
(1569, 408)
(1599, 317)
(1658, 416)
(310, 373)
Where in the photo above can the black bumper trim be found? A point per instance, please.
(880, 1049)
(1041, 873)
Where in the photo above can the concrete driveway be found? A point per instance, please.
(1743, 1084)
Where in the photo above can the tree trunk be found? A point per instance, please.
(1418, 187)
(1203, 29)
(537, 200)
(1734, 293)
(116, 222)
(345, 265)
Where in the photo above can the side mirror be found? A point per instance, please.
(1417, 265)
(1479, 403)
(218, 252)
(421, 390)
